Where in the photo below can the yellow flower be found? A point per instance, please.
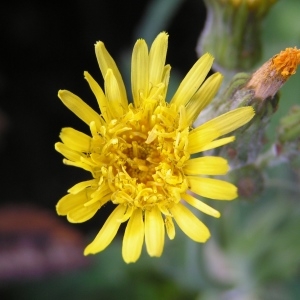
(138, 154)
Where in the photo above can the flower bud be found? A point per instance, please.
(232, 33)
(249, 181)
(260, 90)
(287, 147)
(289, 128)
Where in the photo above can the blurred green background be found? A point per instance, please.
(254, 252)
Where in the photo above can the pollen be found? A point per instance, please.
(287, 61)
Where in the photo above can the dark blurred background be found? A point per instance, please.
(46, 46)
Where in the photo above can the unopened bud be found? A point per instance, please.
(269, 78)
(287, 147)
(258, 7)
(249, 181)
(260, 90)
(289, 128)
(232, 33)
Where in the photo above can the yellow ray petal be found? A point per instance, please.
(81, 214)
(157, 58)
(192, 81)
(189, 223)
(127, 214)
(170, 228)
(201, 205)
(165, 80)
(113, 95)
(216, 143)
(79, 108)
(154, 232)
(229, 121)
(69, 202)
(75, 139)
(203, 97)
(207, 165)
(79, 164)
(102, 189)
(182, 123)
(212, 188)
(101, 200)
(81, 186)
(106, 62)
(200, 138)
(133, 237)
(67, 152)
(98, 92)
(102, 194)
(107, 232)
(156, 92)
(139, 72)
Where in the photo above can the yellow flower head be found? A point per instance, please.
(138, 154)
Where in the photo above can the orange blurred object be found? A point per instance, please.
(34, 243)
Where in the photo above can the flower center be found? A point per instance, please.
(142, 160)
(142, 155)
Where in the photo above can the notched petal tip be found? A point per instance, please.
(59, 211)
(209, 55)
(99, 44)
(140, 42)
(56, 146)
(163, 34)
(60, 93)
